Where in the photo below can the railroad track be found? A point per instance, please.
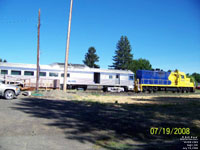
(100, 92)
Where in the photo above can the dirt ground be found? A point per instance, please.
(104, 120)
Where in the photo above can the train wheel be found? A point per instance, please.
(144, 89)
(155, 89)
(125, 89)
(85, 88)
(187, 90)
(192, 90)
(150, 89)
(69, 86)
(105, 89)
(178, 90)
(182, 90)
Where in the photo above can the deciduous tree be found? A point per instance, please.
(140, 64)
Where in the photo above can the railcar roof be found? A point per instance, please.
(60, 67)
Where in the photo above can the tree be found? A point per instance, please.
(1, 60)
(140, 64)
(196, 77)
(123, 56)
(91, 57)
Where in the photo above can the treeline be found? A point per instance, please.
(123, 58)
(195, 77)
(1, 60)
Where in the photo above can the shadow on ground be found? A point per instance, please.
(98, 123)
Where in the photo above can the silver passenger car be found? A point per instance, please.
(79, 76)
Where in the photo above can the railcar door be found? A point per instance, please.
(96, 77)
(117, 80)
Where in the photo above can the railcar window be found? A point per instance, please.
(4, 71)
(28, 73)
(130, 77)
(68, 75)
(43, 74)
(51, 74)
(117, 76)
(15, 72)
(110, 76)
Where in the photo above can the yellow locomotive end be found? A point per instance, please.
(181, 81)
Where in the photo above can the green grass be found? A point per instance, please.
(197, 91)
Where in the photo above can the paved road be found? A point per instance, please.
(21, 130)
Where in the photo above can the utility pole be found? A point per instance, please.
(38, 53)
(67, 48)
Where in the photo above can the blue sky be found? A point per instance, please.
(166, 32)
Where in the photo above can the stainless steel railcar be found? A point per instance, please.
(79, 76)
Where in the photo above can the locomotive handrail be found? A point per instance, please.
(159, 81)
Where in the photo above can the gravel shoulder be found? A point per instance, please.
(23, 131)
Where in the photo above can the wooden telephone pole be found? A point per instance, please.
(67, 48)
(38, 53)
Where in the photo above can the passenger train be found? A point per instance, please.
(83, 77)
(78, 76)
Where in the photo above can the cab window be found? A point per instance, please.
(130, 77)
